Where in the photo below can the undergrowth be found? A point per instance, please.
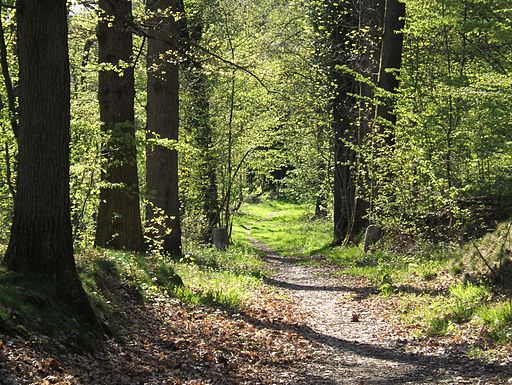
(113, 279)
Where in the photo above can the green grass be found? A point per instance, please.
(111, 278)
(441, 315)
(497, 317)
(288, 229)
(226, 278)
(204, 276)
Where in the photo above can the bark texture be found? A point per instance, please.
(163, 123)
(348, 211)
(391, 56)
(41, 244)
(119, 224)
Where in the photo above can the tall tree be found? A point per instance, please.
(163, 122)
(391, 56)
(202, 131)
(348, 210)
(119, 224)
(41, 241)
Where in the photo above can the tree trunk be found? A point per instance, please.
(163, 123)
(200, 124)
(348, 212)
(119, 224)
(391, 58)
(41, 244)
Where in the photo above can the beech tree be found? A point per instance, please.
(119, 223)
(391, 56)
(163, 123)
(348, 209)
(40, 243)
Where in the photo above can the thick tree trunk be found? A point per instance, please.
(391, 57)
(41, 242)
(163, 123)
(348, 212)
(119, 224)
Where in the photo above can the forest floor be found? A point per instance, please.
(308, 323)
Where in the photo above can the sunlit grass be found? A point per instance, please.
(441, 315)
(289, 229)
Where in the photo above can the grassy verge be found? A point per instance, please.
(429, 292)
(115, 279)
(285, 227)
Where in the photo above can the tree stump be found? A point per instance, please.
(372, 235)
(220, 238)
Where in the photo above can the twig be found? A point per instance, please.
(495, 275)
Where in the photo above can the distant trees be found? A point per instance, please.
(119, 223)
(40, 243)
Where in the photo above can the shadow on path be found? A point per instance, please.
(425, 367)
(362, 292)
(414, 368)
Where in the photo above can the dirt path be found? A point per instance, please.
(355, 344)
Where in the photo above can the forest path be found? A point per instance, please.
(354, 343)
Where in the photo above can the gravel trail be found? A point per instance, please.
(354, 342)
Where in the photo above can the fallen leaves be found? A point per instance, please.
(168, 343)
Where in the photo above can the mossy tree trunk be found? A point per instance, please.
(41, 244)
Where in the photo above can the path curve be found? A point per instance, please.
(355, 344)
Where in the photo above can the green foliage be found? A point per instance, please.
(498, 319)
(453, 114)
